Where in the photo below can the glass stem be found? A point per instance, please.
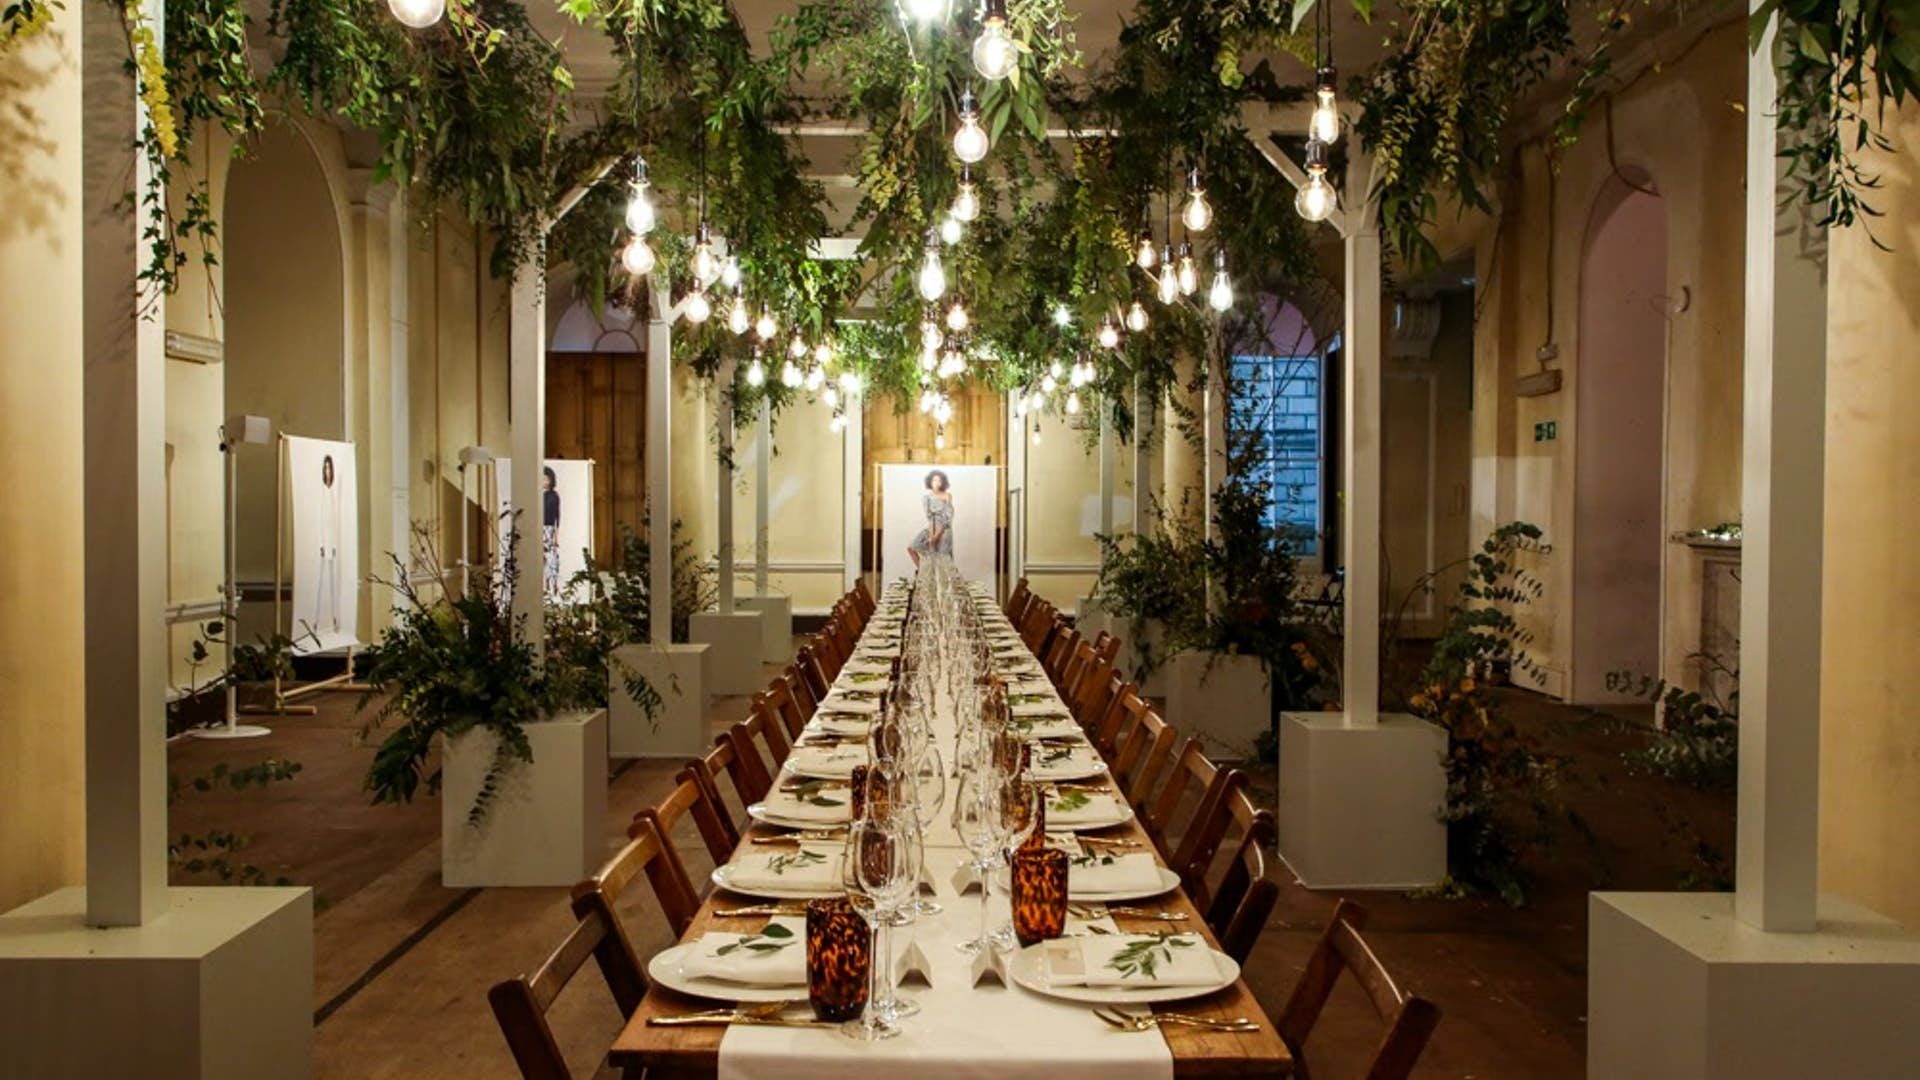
(986, 892)
(873, 976)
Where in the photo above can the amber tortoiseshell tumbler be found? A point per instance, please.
(1012, 754)
(838, 956)
(1039, 894)
(863, 783)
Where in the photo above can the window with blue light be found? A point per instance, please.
(1276, 405)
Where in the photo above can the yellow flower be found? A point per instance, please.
(1466, 686)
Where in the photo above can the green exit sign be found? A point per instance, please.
(1546, 431)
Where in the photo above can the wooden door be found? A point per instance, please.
(597, 409)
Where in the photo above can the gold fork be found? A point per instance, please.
(759, 911)
(1150, 1021)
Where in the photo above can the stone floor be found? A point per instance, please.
(403, 964)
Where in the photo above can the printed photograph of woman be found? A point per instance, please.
(937, 537)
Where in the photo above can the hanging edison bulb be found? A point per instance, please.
(789, 375)
(994, 53)
(815, 379)
(1220, 296)
(957, 316)
(1198, 213)
(640, 213)
(738, 320)
(1062, 316)
(925, 11)
(1324, 123)
(1137, 317)
(1049, 383)
(951, 230)
(966, 201)
(838, 424)
(933, 276)
(706, 268)
(1188, 274)
(970, 140)
(764, 325)
(797, 348)
(1109, 335)
(831, 395)
(930, 336)
(417, 14)
(1316, 200)
(637, 257)
(1145, 257)
(730, 273)
(756, 371)
(1169, 285)
(699, 308)
(1073, 403)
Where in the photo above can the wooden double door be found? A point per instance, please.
(597, 410)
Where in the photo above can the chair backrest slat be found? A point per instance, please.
(1410, 1021)
(520, 1005)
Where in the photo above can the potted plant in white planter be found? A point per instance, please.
(522, 770)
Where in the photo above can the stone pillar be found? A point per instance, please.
(527, 403)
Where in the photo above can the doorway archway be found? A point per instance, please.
(1620, 427)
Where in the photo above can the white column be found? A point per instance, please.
(853, 459)
(527, 403)
(1016, 459)
(1782, 478)
(723, 419)
(399, 246)
(762, 462)
(1360, 450)
(1143, 427)
(125, 514)
(1107, 467)
(659, 463)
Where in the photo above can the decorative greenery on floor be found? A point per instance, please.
(215, 854)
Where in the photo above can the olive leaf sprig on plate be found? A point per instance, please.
(1100, 859)
(813, 791)
(1143, 956)
(770, 940)
(795, 860)
(1069, 800)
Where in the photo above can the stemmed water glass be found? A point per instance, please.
(879, 873)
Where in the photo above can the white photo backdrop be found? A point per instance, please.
(324, 494)
(565, 521)
(944, 508)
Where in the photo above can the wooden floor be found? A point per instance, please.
(403, 964)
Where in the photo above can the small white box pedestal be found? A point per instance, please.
(678, 675)
(546, 823)
(1677, 987)
(733, 666)
(776, 625)
(1220, 699)
(1128, 658)
(1360, 804)
(220, 987)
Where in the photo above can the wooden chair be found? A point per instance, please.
(802, 692)
(1189, 842)
(1095, 692)
(1238, 906)
(1037, 623)
(707, 772)
(520, 1004)
(812, 672)
(692, 797)
(864, 597)
(1148, 747)
(1108, 646)
(1410, 1020)
(770, 730)
(830, 653)
(745, 767)
(1075, 669)
(778, 699)
(648, 851)
(1017, 601)
(1110, 729)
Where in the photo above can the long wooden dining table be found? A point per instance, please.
(664, 1051)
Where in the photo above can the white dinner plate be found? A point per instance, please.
(1168, 882)
(664, 970)
(1029, 969)
(1076, 766)
(760, 813)
(1123, 814)
(723, 877)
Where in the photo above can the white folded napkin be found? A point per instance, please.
(1044, 727)
(838, 702)
(1051, 707)
(867, 667)
(1081, 808)
(829, 807)
(808, 868)
(831, 724)
(834, 762)
(1104, 873)
(1065, 762)
(1030, 686)
(776, 956)
(1141, 960)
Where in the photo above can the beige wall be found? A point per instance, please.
(1870, 685)
(1683, 126)
(1424, 473)
(42, 812)
(806, 494)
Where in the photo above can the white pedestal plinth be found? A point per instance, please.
(1090, 618)
(1220, 699)
(776, 625)
(733, 666)
(1360, 804)
(220, 987)
(678, 674)
(545, 824)
(1127, 660)
(1677, 987)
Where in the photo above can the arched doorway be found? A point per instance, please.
(1619, 456)
(284, 304)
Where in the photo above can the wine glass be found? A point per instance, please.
(877, 877)
(976, 818)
